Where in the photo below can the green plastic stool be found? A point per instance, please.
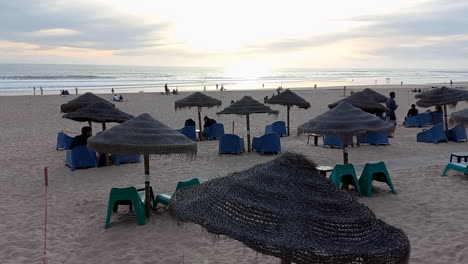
(462, 167)
(127, 196)
(165, 198)
(374, 172)
(343, 176)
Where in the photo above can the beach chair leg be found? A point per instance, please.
(447, 168)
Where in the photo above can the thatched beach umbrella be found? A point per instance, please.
(442, 96)
(82, 101)
(246, 106)
(289, 98)
(459, 117)
(99, 112)
(198, 100)
(285, 208)
(345, 121)
(143, 135)
(364, 102)
(379, 98)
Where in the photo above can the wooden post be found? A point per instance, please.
(103, 126)
(200, 135)
(147, 186)
(445, 119)
(89, 123)
(248, 134)
(232, 127)
(289, 107)
(46, 176)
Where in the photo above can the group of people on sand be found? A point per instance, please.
(64, 92)
(117, 98)
(168, 92)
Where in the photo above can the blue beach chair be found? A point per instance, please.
(434, 134)
(461, 167)
(269, 142)
(230, 143)
(189, 131)
(277, 127)
(335, 141)
(81, 157)
(214, 131)
(63, 141)
(374, 138)
(119, 159)
(457, 134)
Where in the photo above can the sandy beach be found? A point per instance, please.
(431, 209)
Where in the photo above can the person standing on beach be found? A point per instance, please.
(112, 90)
(42, 93)
(34, 89)
(391, 116)
(451, 82)
(76, 90)
(216, 87)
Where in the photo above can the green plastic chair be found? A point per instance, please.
(462, 167)
(165, 198)
(343, 176)
(374, 172)
(126, 196)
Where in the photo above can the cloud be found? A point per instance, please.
(67, 23)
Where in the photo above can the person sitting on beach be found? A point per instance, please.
(120, 98)
(413, 111)
(81, 139)
(189, 122)
(208, 121)
(265, 99)
(116, 98)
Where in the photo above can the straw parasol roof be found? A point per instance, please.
(99, 112)
(246, 106)
(289, 98)
(379, 98)
(197, 100)
(459, 117)
(308, 221)
(344, 120)
(143, 135)
(364, 102)
(442, 96)
(82, 101)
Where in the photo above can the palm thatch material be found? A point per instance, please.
(459, 117)
(344, 120)
(364, 102)
(246, 106)
(143, 135)
(379, 98)
(84, 100)
(289, 98)
(198, 100)
(286, 209)
(99, 112)
(442, 96)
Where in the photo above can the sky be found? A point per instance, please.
(251, 35)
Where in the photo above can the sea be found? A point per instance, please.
(25, 79)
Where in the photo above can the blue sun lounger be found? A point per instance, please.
(461, 167)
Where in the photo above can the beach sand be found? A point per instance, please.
(431, 209)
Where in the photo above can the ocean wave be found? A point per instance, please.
(55, 77)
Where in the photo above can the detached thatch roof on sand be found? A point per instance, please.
(344, 120)
(379, 98)
(247, 105)
(441, 96)
(142, 135)
(99, 112)
(197, 100)
(84, 100)
(286, 209)
(289, 98)
(364, 102)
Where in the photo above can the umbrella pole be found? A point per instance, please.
(103, 126)
(248, 134)
(289, 107)
(445, 119)
(345, 150)
(200, 134)
(89, 123)
(147, 186)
